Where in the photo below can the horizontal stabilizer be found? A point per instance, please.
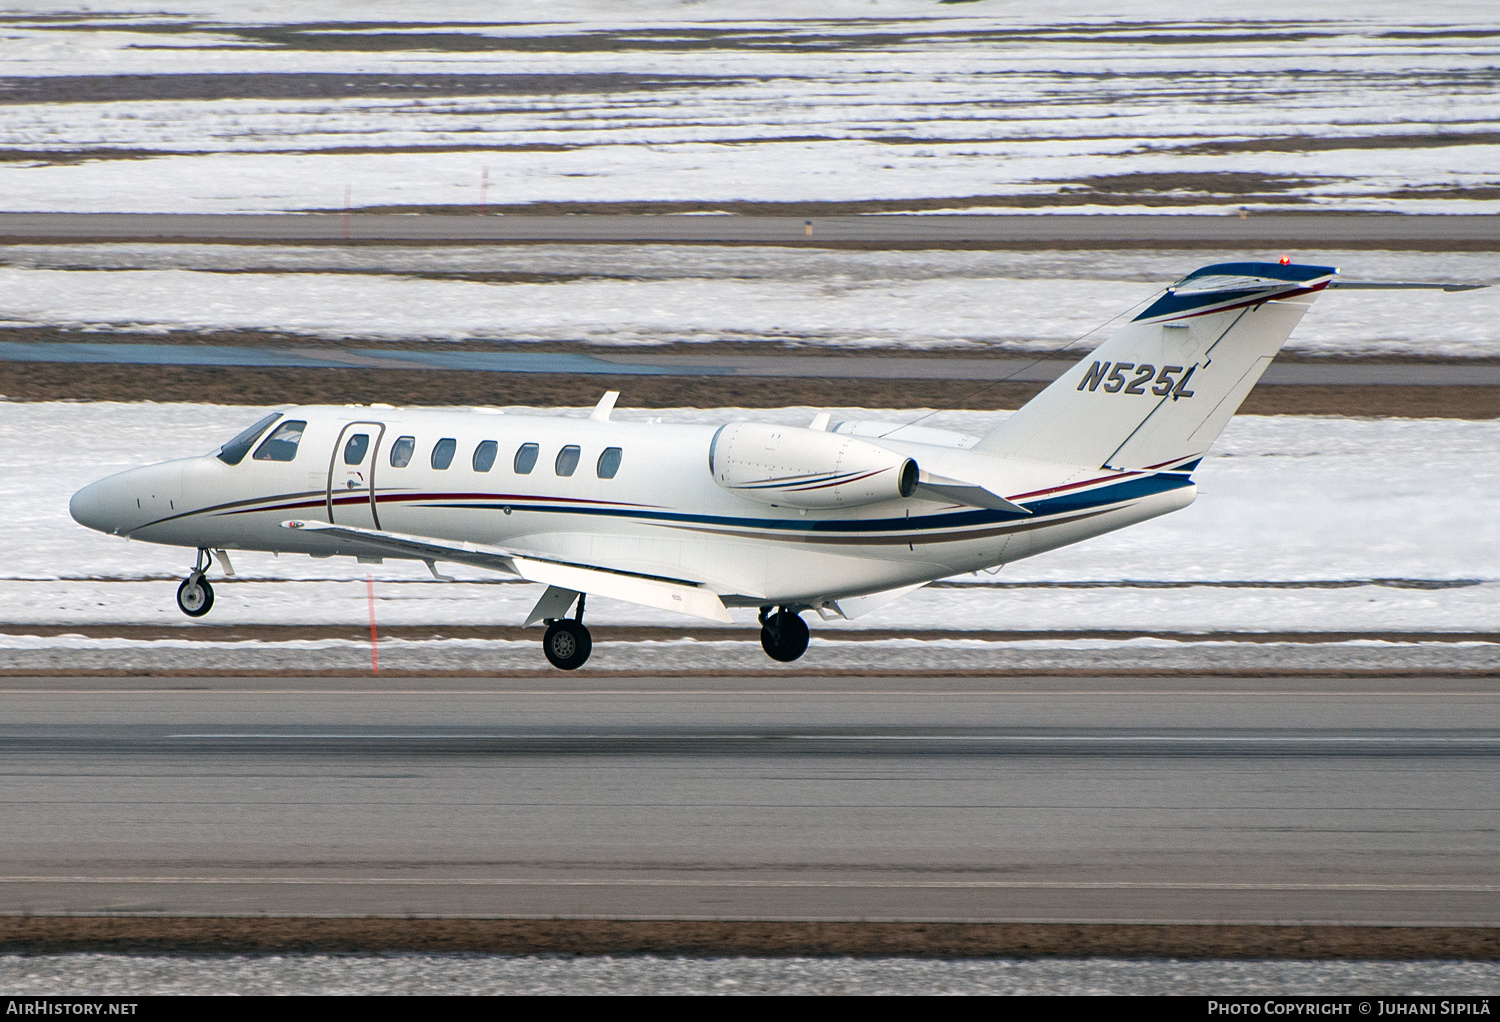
(681, 595)
(935, 487)
(1397, 285)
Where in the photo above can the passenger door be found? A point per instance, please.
(351, 475)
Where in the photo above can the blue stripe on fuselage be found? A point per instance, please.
(1064, 503)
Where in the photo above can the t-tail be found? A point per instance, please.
(1159, 392)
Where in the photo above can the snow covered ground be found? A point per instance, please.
(653, 294)
(1317, 502)
(989, 106)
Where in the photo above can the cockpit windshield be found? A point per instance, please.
(281, 445)
(234, 452)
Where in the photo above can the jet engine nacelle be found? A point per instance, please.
(793, 467)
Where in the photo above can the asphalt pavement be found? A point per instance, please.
(1227, 230)
(1048, 800)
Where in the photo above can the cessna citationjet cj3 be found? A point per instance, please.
(833, 518)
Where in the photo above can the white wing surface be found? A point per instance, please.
(683, 595)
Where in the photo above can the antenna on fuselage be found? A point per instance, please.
(605, 406)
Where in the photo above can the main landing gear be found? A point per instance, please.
(567, 642)
(783, 635)
(195, 597)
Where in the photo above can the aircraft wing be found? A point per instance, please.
(682, 595)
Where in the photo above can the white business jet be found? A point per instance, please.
(837, 518)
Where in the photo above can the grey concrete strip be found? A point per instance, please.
(928, 798)
(741, 658)
(855, 367)
(339, 358)
(1047, 370)
(787, 366)
(1448, 374)
(334, 358)
(1072, 230)
(240, 957)
(161, 354)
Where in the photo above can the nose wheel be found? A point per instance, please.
(195, 597)
(568, 643)
(783, 635)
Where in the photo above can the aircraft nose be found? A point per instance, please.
(125, 502)
(91, 506)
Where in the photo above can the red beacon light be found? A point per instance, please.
(1285, 260)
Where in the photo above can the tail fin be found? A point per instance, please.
(1158, 393)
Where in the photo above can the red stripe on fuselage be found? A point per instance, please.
(383, 498)
(1174, 461)
(511, 497)
(1073, 486)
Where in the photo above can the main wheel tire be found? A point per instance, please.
(195, 598)
(567, 644)
(784, 637)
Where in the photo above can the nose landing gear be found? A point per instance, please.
(567, 643)
(783, 635)
(195, 597)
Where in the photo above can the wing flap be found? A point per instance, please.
(420, 548)
(851, 607)
(554, 603)
(681, 595)
(649, 592)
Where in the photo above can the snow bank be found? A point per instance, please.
(1299, 499)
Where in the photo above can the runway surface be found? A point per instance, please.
(1064, 799)
(1393, 231)
(791, 366)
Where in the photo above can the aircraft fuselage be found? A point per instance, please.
(456, 475)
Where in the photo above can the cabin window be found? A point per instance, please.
(526, 459)
(442, 452)
(354, 450)
(484, 456)
(567, 460)
(609, 463)
(282, 444)
(401, 451)
(234, 452)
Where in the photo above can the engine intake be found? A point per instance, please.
(789, 466)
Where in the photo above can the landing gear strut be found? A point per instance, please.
(567, 642)
(195, 597)
(783, 635)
